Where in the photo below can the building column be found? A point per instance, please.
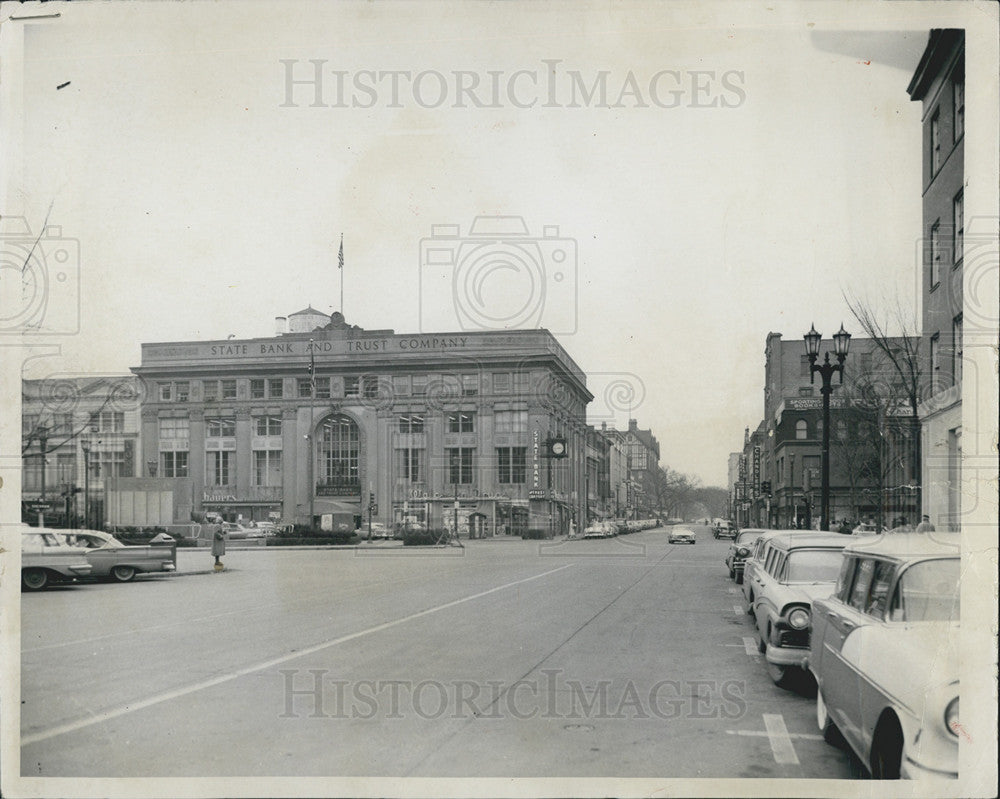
(196, 456)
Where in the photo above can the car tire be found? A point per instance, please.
(887, 750)
(826, 724)
(34, 579)
(123, 573)
(738, 577)
(732, 574)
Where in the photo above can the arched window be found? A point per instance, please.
(338, 452)
(801, 429)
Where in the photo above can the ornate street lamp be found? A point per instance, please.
(43, 440)
(841, 345)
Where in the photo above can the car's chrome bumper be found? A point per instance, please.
(786, 656)
(909, 769)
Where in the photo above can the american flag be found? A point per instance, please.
(312, 369)
(340, 256)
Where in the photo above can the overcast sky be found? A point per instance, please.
(736, 178)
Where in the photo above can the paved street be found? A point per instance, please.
(613, 657)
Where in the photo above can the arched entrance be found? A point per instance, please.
(338, 471)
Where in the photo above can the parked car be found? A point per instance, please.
(885, 655)
(600, 530)
(724, 529)
(739, 550)
(754, 560)
(262, 529)
(234, 531)
(46, 558)
(795, 569)
(110, 558)
(378, 530)
(867, 528)
(681, 535)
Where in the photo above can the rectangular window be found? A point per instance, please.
(511, 464)
(65, 468)
(501, 382)
(110, 464)
(411, 423)
(62, 423)
(166, 391)
(461, 422)
(275, 387)
(958, 216)
(401, 385)
(935, 253)
(370, 386)
(804, 366)
(511, 421)
(221, 427)
(267, 467)
(935, 142)
(173, 464)
(470, 385)
(304, 385)
(935, 357)
(111, 422)
(460, 465)
(959, 100)
(352, 387)
(174, 429)
(410, 464)
(419, 385)
(522, 381)
(268, 425)
(210, 390)
(323, 388)
(229, 389)
(218, 467)
(257, 389)
(956, 349)
(182, 391)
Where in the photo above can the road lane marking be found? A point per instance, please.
(733, 590)
(780, 740)
(73, 726)
(739, 609)
(798, 736)
(750, 645)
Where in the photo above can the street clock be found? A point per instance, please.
(557, 447)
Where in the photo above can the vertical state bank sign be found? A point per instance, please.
(536, 469)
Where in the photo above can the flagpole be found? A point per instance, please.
(340, 267)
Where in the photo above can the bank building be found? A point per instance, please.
(325, 419)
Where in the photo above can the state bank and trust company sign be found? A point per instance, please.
(271, 348)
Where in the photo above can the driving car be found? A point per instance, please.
(739, 551)
(681, 535)
(795, 568)
(885, 655)
(46, 558)
(109, 557)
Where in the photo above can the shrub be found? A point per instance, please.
(423, 538)
(535, 533)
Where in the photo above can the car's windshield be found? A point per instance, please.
(928, 591)
(748, 538)
(814, 565)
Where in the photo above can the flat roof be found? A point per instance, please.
(907, 545)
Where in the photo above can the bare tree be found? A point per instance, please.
(902, 355)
